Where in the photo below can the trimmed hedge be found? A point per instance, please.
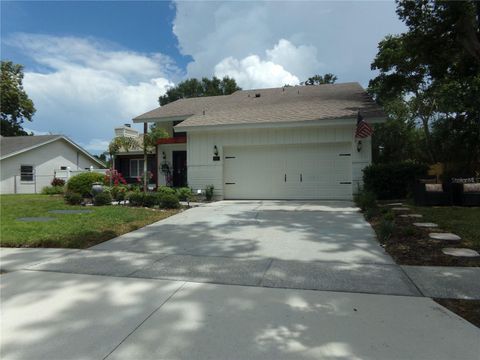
(184, 193)
(169, 201)
(52, 190)
(82, 183)
(103, 198)
(73, 198)
(392, 181)
(164, 190)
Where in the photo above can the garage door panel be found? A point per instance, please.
(307, 171)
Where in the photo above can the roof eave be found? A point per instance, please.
(161, 119)
(290, 124)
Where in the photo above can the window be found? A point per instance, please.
(26, 172)
(136, 167)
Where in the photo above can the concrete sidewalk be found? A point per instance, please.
(58, 316)
(446, 281)
(331, 276)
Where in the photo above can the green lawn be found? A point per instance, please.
(67, 230)
(463, 221)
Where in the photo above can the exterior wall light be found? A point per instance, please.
(215, 150)
(359, 145)
(164, 156)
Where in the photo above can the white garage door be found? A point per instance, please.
(307, 171)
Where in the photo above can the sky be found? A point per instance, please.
(91, 66)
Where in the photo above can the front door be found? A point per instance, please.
(179, 168)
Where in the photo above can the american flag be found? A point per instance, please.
(363, 129)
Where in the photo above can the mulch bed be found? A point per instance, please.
(410, 245)
(467, 309)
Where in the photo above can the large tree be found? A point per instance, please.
(16, 107)
(434, 69)
(328, 78)
(196, 88)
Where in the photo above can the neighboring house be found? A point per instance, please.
(130, 163)
(29, 163)
(283, 143)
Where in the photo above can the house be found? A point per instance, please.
(281, 143)
(130, 162)
(29, 163)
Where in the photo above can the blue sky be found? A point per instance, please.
(91, 66)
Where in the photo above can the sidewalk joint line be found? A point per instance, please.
(148, 317)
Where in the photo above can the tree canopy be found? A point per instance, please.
(196, 88)
(16, 107)
(328, 78)
(433, 71)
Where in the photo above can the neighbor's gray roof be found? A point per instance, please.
(276, 105)
(12, 145)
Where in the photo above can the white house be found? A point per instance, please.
(29, 163)
(282, 143)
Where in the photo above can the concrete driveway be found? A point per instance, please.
(170, 291)
(282, 244)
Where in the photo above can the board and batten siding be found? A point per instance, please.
(203, 171)
(45, 160)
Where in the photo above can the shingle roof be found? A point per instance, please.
(13, 144)
(276, 105)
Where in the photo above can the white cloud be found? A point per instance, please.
(96, 145)
(283, 64)
(304, 38)
(86, 87)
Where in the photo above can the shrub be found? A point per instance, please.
(392, 181)
(150, 199)
(209, 192)
(184, 193)
(57, 182)
(389, 216)
(119, 192)
(52, 190)
(72, 198)
(169, 201)
(164, 190)
(103, 198)
(82, 183)
(370, 213)
(365, 200)
(386, 229)
(135, 198)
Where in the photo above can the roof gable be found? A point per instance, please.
(14, 145)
